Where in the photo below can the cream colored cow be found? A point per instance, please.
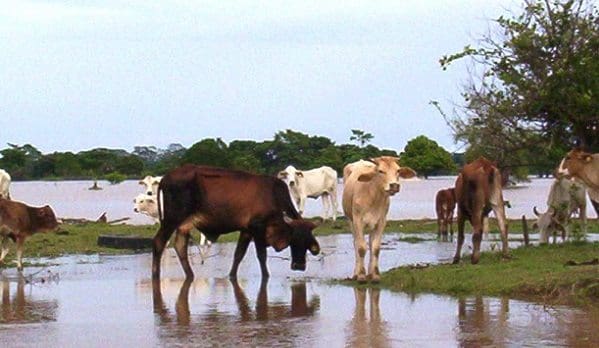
(366, 199)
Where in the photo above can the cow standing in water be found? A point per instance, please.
(444, 206)
(218, 201)
(478, 191)
(369, 186)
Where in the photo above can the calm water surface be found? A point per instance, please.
(110, 301)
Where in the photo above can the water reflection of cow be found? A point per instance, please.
(299, 306)
(19, 309)
(371, 330)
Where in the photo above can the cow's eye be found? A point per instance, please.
(381, 171)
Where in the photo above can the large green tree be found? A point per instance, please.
(426, 157)
(534, 85)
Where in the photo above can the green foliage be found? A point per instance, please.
(361, 137)
(537, 95)
(426, 157)
(115, 178)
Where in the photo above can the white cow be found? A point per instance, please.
(151, 184)
(565, 197)
(366, 199)
(4, 184)
(146, 204)
(312, 183)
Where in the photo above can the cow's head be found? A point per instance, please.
(151, 184)
(297, 235)
(45, 219)
(291, 176)
(574, 162)
(387, 173)
(547, 223)
(145, 204)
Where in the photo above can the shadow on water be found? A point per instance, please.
(18, 308)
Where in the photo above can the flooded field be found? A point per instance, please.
(415, 201)
(110, 301)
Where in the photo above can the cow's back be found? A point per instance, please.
(222, 200)
(479, 182)
(320, 180)
(363, 200)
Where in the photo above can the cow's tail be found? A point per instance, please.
(160, 204)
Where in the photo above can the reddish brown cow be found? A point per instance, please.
(478, 191)
(445, 205)
(18, 221)
(218, 201)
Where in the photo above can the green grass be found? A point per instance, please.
(532, 272)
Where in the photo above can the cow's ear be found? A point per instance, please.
(406, 172)
(314, 247)
(367, 176)
(282, 174)
(277, 239)
(141, 182)
(299, 174)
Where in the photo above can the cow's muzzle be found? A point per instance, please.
(393, 189)
(296, 266)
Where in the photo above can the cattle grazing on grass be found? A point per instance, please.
(320, 182)
(19, 221)
(366, 199)
(218, 201)
(478, 191)
(4, 184)
(444, 206)
(150, 184)
(565, 198)
(145, 204)
(584, 167)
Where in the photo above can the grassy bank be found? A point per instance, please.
(539, 272)
(82, 239)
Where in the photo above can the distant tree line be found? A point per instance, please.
(266, 157)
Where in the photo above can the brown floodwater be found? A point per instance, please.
(110, 301)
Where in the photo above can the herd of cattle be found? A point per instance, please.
(263, 209)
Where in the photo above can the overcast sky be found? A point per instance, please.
(76, 75)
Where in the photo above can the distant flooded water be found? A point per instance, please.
(415, 201)
(110, 301)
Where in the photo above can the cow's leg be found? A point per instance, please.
(242, 246)
(499, 211)
(376, 235)
(360, 249)
(20, 241)
(325, 205)
(450, 221)
(461, 225)
(334, 207)
(181, 247)
(302, 203)
(260, 245)
(4, 252)
(477, 221)
(162, 236)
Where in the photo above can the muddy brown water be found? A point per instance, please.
(110, 301)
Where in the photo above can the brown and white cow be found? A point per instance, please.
(478, 191)
(444, 206)
(565, 197)
(218, 201)
(18, 221)
(366, 199)
(584, 167)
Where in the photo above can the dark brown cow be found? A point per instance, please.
(18, 221)
(445, 205)
(478, 191)
(218, 201)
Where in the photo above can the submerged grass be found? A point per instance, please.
(532, 272)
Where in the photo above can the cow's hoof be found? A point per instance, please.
(456, 260)
(361, 279)
(375, 278)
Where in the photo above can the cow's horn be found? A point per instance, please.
(534, 209)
